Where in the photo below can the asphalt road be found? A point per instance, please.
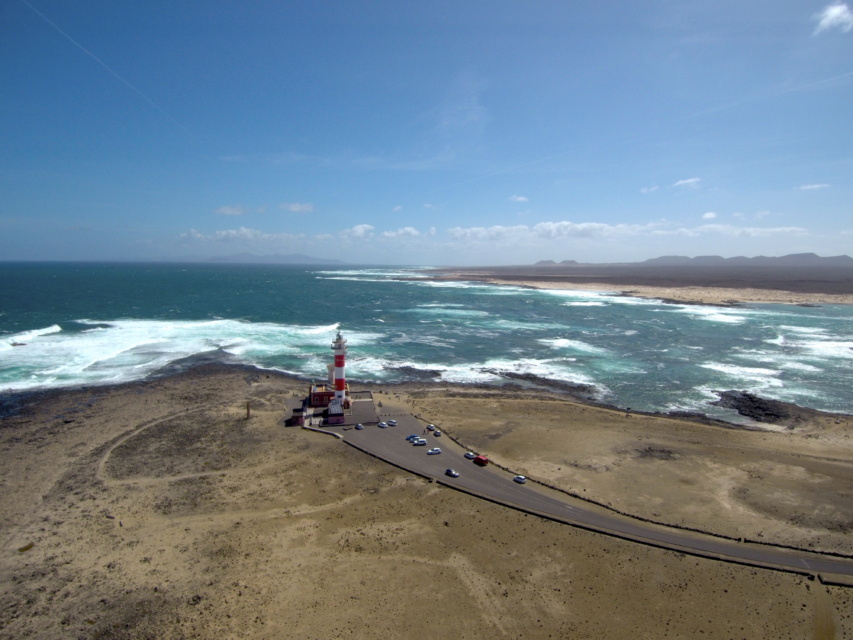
(497, 485)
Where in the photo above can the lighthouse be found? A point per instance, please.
(339, 346)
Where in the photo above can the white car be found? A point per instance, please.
(453, 473)
(519, 479)
(359, 427)
(434, 451)
(392, 423)
(382, 425)
(470, 455)
(419, 443)
(431, 427)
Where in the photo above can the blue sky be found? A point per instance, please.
(425, 133)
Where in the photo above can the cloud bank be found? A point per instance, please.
(834, 16)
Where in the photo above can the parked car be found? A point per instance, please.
(481, 460)
(419, 443)
(392, 423)
(519, 479)
(431, 427)
(434, 451)
(453, 473)
(470, 455)
(413, 437)
(382, 425)
(359, 427)
(436, 433)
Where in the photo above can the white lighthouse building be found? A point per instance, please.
(339, 346)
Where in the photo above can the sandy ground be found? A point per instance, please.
(691, 294)
(158, 510)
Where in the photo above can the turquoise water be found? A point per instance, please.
(74, 324)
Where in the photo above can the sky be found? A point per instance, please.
(430, 133)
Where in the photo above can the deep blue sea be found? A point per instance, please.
(65, 325)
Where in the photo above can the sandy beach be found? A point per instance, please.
(158, 510)
(723, 296)
(689, 285)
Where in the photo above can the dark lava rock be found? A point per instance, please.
(752, 406)
(584, 391)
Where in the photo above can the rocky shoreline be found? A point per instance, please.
(157, 509)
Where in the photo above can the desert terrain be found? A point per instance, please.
(781, 283)
(159, 510)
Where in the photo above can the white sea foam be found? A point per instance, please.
(579, 298)
(765, 377)
(454, 312)
(572, 345)
(712, 314)
(812, 331)
(126, 350)
(25, 337)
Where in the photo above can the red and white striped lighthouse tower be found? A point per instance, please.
(340, 348)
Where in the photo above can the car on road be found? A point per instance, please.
(470, 455)
(359, 427)
(480, 460)
(434, 451)
(436, 433)
(392, 423)
(431, 427)
(382, 425)
(419, 443)
(412, 437)
(453, 473)
(519, 479)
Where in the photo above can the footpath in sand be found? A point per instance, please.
(158, 510)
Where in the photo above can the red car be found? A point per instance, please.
(481, 460)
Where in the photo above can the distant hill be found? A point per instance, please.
(792, 260)
(275, 258)
(551, 263)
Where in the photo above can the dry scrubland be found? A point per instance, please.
(157, 510)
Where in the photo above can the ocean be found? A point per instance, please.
(67, 325)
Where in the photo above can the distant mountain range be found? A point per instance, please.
(275, 258)
(792, 260)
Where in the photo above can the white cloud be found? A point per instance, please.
(649, 189)
(232, 210)
(809, 187)
(689, 183)
(710, 215)
(242, 234)
(518, 198)
(297, 207)
(405, 232)
(834, 16)
(566, 229)
(397, 209)
(751, 232)
(497, 232)
(358, 231)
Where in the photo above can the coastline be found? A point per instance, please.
(679, 294)
(181, 516)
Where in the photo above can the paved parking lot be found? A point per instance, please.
(494, 484)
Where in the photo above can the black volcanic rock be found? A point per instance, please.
(752, 406)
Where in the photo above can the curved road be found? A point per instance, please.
(497, 485)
